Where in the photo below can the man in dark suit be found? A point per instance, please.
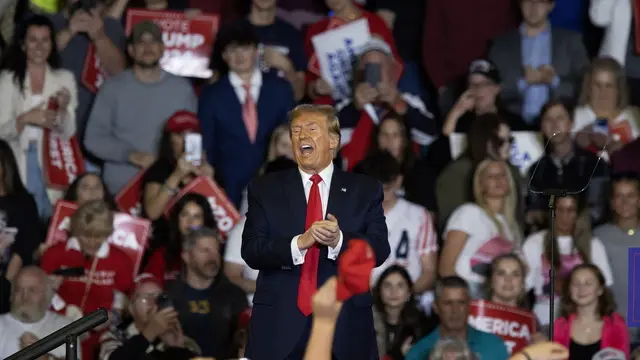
(239, 112)
(538, 62)
(296, 253)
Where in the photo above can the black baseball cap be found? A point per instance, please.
(486, 68)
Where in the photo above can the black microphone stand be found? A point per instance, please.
(553, 195)
(72, 347)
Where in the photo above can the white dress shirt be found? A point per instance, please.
(238, 86)
(324, 186)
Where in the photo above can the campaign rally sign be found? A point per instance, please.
(129, 233)
(224, 212)
(633, 305)
(336, 50)
(513, 325)
(526, 150)
(128, 199)
(188, 41)
(93, 73)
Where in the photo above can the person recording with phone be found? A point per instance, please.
(152, 321)
(376, 93)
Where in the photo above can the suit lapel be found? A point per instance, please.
(294, 192)
(556, 50)
(338, 194)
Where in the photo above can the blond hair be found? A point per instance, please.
(612, 66)
(278, 132)
(510, 200)
(93, 218)
(328, 111)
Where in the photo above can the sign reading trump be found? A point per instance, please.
(188, 41)
(336, 51)
(513, 325)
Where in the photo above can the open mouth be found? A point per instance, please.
(306, 149)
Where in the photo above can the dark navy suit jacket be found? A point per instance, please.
(224, 134)
(277, 211)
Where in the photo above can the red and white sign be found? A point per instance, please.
(188, 42)
(224, 212)
(128, 199)
(62, 160)
(129, 233)
(513, 325)
(93, 74)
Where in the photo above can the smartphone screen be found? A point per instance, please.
(193, 148)
(601, 126)
(373, 74)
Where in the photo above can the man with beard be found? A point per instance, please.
(29, 319)
(131, 109)
(208, 304)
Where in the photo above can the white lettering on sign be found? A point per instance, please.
(64, 224)
(220, 214)
(99, 278)
(182, 40)
(173, 25)
(69, 161)
(54, 152)
(124, 239)
(500, 327)
(510, 345)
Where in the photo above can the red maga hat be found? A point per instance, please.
(183, 121)
(354, 269)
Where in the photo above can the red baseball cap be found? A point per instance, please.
(354, 269)
(183, 121)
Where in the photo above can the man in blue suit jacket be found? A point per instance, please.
(275, 242)
(236, 152)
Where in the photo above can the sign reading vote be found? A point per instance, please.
(633, 305)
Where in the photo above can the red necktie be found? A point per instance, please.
(249, 114)
(309, 274)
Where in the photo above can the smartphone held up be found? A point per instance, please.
(193, 148)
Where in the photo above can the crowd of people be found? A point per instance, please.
(463, 225)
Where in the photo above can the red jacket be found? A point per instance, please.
(377, 27)
(456, 32)
(157, 267)
(614, 333)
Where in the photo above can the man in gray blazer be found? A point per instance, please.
(538, 62)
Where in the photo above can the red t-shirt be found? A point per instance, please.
(113, 272)
(157, 267)
(377, 27)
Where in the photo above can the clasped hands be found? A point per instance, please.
(324, 232)
(541, 75)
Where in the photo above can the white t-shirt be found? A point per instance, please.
(233, 254)
(483, 244)
(411, 235)
(11, 329)
(584, 116)
(538, 274)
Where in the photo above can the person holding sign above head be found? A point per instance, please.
(239, 112)
(38, 103)
(87, 272)
(589, 322)
(132, 109)
(344, 12)
(296, 253)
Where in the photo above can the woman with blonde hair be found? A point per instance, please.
(574, 244)
(103, 273)
(605, 96)
(479, 231)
